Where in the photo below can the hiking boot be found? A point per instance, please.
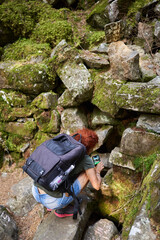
(64, 212)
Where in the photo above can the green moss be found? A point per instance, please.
(94, 37)
(104, 93)
(31, 78)
(99, 8)
(53, 32)
(134, 7)
(143, 164)
(131, 214)
(146, 93)
(25, 49)
(15, 142)
(22, 16)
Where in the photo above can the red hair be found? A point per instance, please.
(89, 138)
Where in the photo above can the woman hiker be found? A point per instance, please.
(85, 170)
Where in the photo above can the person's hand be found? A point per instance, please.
(99, 167)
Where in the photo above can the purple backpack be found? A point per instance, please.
(51, 162)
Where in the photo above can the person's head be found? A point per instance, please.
(89, 138)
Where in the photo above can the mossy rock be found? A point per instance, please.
(29, 78)
(15, 143)
(121, 190)
(98, 17)
(104, 93)
(8, 100)
(46, 100)
(53, 32)
(147, 193)
(13, 98)
(24, 128)
(26, 49)
(148, 95)
(11, 114)
(48, 121)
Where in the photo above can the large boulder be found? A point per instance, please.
(77, 80)
(104, 93)
(142, 97)
(21, 200)
(149, 122)
(23, 127)
(124, 62)
(63, 230)
(138, 142)
(26, 77)
(8, 227)
(102, 229)
(73, 119)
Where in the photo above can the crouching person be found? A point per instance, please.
(85, 170)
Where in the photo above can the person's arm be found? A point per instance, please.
(93, 175)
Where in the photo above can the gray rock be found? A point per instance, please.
(101, 48)
(21, 201)
(146, 63)
(157, 30)
(93, 60)
(62, 46)
(100, 118)
(145, 35)
(157, 9)
(67, 99)
(77, 80)
(142, 97)
(138, 142)
(8, 227)
(124, 62)
(156, 60)
(114, 31)
(147, 67)
(141, 228)
(63, 229)
(113, 11)
(103, 229)
(149, 122)
(46, 100)
(120, 159)
(102, 133)
(73, 119)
